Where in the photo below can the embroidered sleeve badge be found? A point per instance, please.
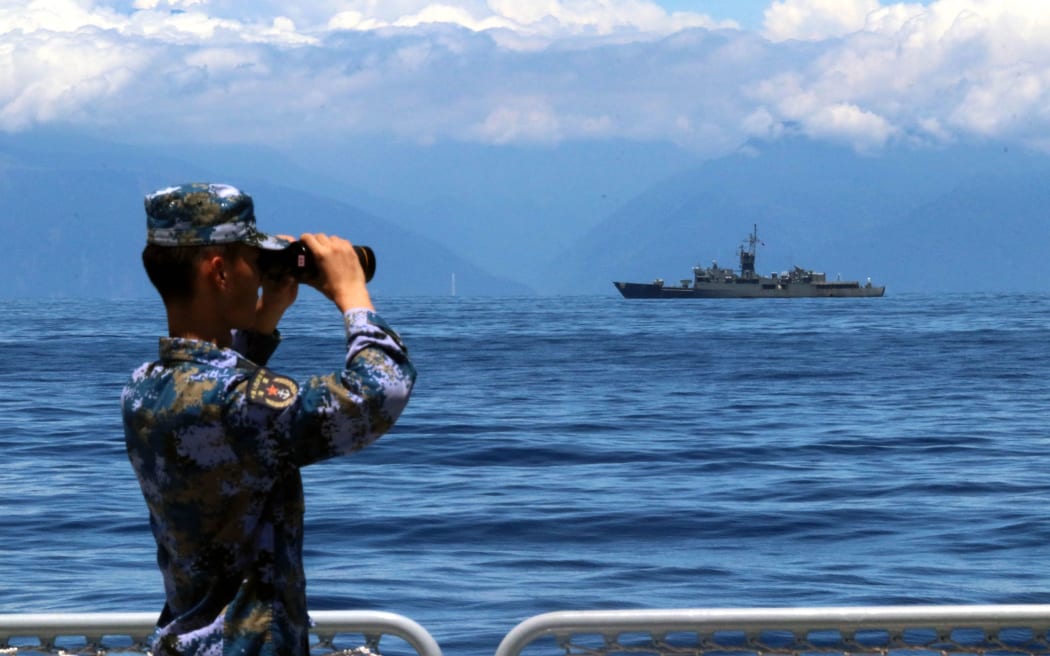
(271, 390)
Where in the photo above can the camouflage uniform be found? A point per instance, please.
(216, 440)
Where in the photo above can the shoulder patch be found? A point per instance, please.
(269, 389)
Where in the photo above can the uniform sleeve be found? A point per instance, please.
(340, 412)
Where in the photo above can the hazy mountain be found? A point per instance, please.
(953, 219)
(505, 208)
(71, 209)
(990, 233)
(569, 219)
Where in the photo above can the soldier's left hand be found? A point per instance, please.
(277, 296)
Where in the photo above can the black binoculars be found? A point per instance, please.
(297, 261)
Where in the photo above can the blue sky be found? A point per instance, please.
(748, 13)
(706, 75)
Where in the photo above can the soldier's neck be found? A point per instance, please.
(192, 321)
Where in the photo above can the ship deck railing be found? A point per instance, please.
(974, 630)
(985, 630)
(350, 632)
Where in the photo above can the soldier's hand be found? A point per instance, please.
(340, 277)
(277, 296)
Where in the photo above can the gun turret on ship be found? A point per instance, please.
(718, 282)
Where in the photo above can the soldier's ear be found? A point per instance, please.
(213, 269)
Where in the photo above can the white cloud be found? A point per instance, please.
(227, 60)
(528, 121)
(171, 4)
(761, 124)
(453, 16)
(850, 124)
(63, 77)
(54, 15)
(599, 16)
(815, 20)
(955, 69)
(1008, 99)
(504, 71)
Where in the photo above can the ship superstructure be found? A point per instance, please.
(720, 282)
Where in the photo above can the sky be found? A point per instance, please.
(746, 13)
(706, 75)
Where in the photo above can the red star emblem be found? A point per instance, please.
(272, 390)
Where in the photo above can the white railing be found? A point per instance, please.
(842, 631)
(926, 630)
(129, 632)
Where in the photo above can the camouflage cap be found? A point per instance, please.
(203, 214)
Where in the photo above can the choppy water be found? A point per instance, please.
(580, 453)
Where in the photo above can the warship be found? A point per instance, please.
(718, 282)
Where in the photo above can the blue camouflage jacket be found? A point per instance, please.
(216, 441)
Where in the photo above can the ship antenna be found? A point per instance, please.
(747, 259)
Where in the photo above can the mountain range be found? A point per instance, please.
(565, 219)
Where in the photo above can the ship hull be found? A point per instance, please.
(749, 290)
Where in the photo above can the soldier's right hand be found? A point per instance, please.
(340, 277)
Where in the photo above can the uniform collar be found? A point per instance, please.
(182, 349)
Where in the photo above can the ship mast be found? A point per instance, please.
(747, 258)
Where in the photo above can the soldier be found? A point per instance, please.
(216, 439)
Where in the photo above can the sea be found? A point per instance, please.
(571, 453)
